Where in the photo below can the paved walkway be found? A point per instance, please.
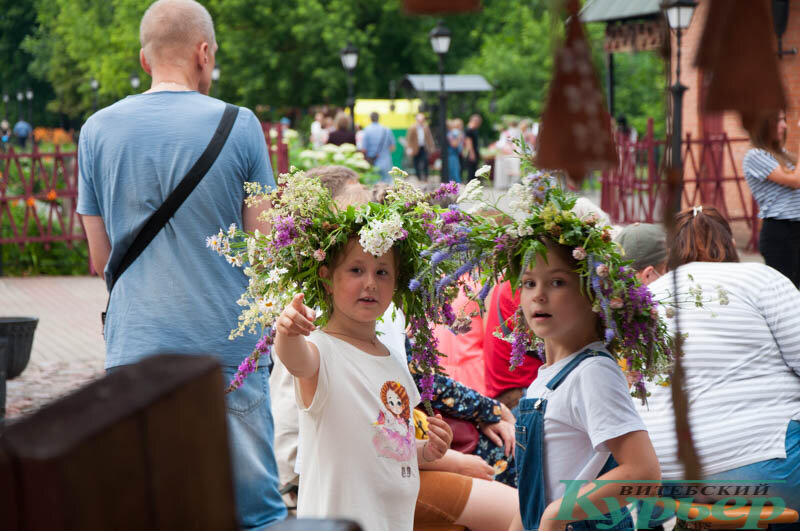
(68, 349)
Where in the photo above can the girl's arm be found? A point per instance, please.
(785, 177)
(300, 357)
(637, 461)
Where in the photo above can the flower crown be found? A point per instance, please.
(540, 212)
(308, 230)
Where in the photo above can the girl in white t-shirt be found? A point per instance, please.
(578, 416)
(359, 455)
(583, 311)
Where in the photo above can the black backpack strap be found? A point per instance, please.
(160, 217)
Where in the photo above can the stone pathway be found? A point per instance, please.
(68, 349)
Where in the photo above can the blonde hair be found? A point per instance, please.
(169, 28)
(352, 194)
(342, 121)
(334, 178)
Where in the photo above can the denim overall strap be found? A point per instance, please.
(574, 362)
(530, 450)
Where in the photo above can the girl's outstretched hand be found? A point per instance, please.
(439, 438)
(296, 319)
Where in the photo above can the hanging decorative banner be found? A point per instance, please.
(745, 76)
(634, 36)
(575, 133)
(429, 7)
(709, 48)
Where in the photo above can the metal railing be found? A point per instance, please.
(635, 191)
(39, 190)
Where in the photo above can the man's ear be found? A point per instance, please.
(649, 274)
(203, 57)
(145, 65)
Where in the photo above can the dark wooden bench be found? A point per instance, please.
(143, 448)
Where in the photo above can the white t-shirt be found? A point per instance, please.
(591, 406)
(391, 332)
(741, 363)
(358, 457)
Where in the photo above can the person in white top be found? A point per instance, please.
(580, 397)
(741, 359)
(359, 458)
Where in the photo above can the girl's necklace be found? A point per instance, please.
(372, 341)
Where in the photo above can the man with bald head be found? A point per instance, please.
(177, 296)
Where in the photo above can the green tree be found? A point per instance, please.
(515, 56)
(640, 90)
(77, 40)
(18, 19)
(287, 54)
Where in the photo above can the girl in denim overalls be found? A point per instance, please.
(577, 421)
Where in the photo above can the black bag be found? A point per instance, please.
(173, 202)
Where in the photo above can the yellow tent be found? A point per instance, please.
(401, 118)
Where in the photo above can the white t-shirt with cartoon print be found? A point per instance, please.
(358, 457)
(591, 406)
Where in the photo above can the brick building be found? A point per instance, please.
(709, 157)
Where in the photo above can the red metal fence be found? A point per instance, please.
(38, 191)
(636, 189)
(278, 147)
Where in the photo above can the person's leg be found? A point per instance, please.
(441, 499)
(424, 161)
(795, 247)
(418, 168)
(453, 166)
(774, 244)
(491, 506)
(251, 432)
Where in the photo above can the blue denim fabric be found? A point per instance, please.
(251, 435)
(530, 460)
(787, 470)
(529, 454)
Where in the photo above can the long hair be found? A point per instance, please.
(401, 392)
(701, 235)
(764, 135)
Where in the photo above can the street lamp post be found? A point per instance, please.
(20, 97)
(95, 85)
(29, 97)
(135, 81)
(214, 78)
(440, 42)
(5, 105)
(679, 15)
(349, 57)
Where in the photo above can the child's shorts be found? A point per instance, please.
(441, 499)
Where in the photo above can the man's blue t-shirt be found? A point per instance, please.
(178, 296)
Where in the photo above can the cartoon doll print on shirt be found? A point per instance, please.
(394, 437)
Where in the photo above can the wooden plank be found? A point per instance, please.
(143, 448)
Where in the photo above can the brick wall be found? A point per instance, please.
(695, 122)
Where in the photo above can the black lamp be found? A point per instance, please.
(440, 42)
(349, 57)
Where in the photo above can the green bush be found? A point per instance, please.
(56, 258)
